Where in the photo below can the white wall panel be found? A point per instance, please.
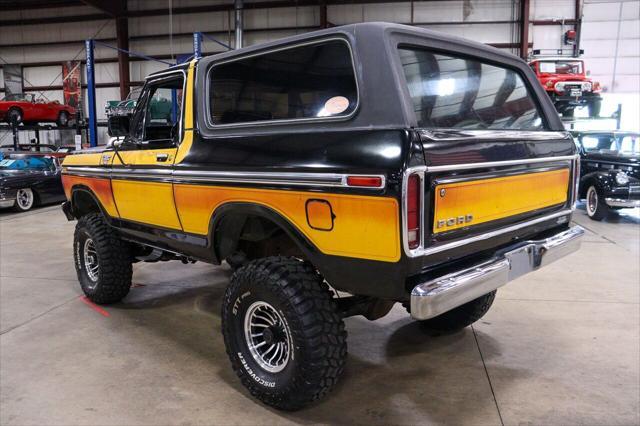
(495, 33)
(43, 33)
(105, 73)
(631, 10)
(42, 76)
(605, 11)
(611, 34)
(549, 9)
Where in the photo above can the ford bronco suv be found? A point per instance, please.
(568, 84)
(338, 172)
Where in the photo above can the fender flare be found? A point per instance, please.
(243, 210)
(598, 178)
(85, 189)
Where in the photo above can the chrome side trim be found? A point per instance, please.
(438, 296)
(619, 202)
(449, 134)
(194, 176)
(499, 163)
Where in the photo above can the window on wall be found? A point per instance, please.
(451, 92)
(311, 81)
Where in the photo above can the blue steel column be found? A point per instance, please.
(197, 45)
(91, 94)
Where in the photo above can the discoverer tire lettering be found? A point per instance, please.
(299, 296)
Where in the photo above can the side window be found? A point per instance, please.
(158, 111)
(464, 93)
(311, 81)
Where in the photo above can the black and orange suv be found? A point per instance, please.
(388, 163)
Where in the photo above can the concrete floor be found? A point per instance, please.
(560, 346)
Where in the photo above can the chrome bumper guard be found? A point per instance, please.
(7, 202)
(438, 296)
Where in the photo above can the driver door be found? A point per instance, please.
(141, 173)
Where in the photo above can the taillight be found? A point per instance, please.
(413, 211)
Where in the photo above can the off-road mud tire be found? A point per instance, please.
(113, 276)
(299, 295)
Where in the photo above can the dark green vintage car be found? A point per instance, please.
(160, 106)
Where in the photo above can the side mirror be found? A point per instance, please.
(588, 73)
(118, 125)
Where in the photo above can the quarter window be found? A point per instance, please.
(452, 92)
(311, 81)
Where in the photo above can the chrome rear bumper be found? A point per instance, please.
(438, 296)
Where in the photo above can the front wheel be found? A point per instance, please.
(103, 260)
(597, 209)
(284, 335)
(462, 316)
(25, 200)
(14, 116)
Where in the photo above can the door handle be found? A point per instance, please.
(162, 157)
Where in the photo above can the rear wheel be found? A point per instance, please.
(25, 200)
(597, 209)
(594, 108)
(568, 112)
(462, 316)
(284, 335)
(103, 260)
(63, 119)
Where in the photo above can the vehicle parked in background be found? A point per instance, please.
(610, 171)
(392, 163)
(25, 108)
(41, 149)
(27, 147)
(160, 106)
(27, 180)
(568, 84)
(123, 107)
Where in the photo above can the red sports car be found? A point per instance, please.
(25, 108)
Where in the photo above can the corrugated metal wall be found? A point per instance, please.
(609, 36)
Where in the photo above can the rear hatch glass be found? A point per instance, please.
(463, 93)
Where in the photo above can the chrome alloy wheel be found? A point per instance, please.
(24, 198)
(592, 200)
(267, 336)
(91, 261)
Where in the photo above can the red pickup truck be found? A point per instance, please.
(25, 108)
(568, 84)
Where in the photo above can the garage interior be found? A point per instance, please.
(561, 346)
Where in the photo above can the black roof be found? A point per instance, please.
(383, 102)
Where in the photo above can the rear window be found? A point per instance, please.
(311, 81)
(451, 92)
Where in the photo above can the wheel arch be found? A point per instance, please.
(230, 220)
(600, 179)
(84, 201)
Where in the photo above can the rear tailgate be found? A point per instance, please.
(484, 188)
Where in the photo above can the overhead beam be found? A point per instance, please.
(45, 4)
(113, 8)
(273, 4)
